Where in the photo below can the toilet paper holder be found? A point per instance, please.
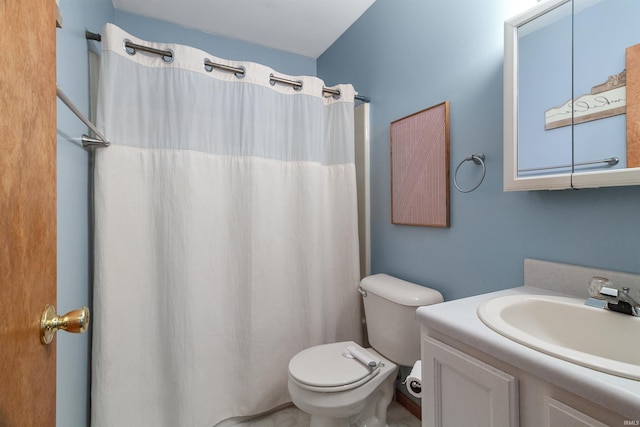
(415, 386)
(413, 381)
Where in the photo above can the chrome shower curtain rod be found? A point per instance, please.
(239, 71)
(87, 141)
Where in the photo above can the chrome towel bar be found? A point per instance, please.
(611, 161)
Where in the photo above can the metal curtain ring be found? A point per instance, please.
(478, 159)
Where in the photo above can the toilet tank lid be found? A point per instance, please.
(400, 291)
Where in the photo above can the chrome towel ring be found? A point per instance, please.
(478, 159)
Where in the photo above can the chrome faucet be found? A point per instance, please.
(619, 300)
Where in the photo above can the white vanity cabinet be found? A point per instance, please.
(474, 376)
(462, 386)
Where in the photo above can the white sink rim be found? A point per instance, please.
(490, 313)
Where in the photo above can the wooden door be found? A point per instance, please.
(27, 210)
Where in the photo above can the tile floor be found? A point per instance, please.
(397, 416)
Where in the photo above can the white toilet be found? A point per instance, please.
(340, 390)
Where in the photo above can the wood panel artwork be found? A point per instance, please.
(633, 106)
(420, 168)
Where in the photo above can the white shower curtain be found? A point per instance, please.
(226, 235)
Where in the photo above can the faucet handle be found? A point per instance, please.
(609, 292)
(596, 284)
(610, 295)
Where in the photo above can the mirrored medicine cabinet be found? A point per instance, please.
(572, 95)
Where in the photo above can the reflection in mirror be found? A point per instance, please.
(603, 30)
(544, 80)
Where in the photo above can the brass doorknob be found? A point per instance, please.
(75, 321)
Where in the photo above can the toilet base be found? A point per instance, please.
(362, 407)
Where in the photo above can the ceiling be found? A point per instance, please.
(303, 27)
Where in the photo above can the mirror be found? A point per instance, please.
(565, 106)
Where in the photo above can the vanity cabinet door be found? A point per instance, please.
(459, 390)
(557, 414)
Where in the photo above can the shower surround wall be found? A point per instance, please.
(73, 169)
(413, 54)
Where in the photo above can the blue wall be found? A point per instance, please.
(411, 54)
(73, 166)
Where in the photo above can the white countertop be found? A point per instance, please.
(458, 320)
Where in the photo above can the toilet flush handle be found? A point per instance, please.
(362, 357)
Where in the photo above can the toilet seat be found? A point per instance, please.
(325, 368)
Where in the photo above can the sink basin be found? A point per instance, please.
(565, 328)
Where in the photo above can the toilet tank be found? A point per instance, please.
(390, 311)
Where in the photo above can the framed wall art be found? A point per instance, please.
(420, 168)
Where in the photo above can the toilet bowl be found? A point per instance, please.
(339, 391)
